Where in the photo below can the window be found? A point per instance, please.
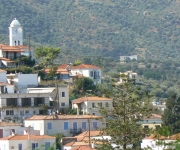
(12, 131)
(93, 114)
(62, 104)
(34, 146)
(26, 111)
(93, 105)
(22, 112)
(19, 146)
(84, 125)
(100, 104)
(49, 125)
(66, 126)
(95, 125)
(47, 145)
(32, 125)
(63, 94)
(146, 127)
(9, 112)
(157, 127)
(91, 73)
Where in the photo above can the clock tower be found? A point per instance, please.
(15, 33)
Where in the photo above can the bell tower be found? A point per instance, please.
(15, 33)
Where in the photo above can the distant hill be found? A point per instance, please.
(112, 28)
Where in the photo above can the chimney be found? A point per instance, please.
(92, 145)
(77, 111)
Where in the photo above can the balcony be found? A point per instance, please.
(75, 131)
(97, 77)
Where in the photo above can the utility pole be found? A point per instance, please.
(89, 132)
(29, 44)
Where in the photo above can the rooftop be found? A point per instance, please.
(93, 98)
(81, 66)
(25, 137)
(61, 117)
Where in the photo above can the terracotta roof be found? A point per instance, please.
(4, 124)
(153, 116)
(2, 70)
(6, 59)
(60, 71)
(92, 133)
(5, 84)
(93, 98)
(83, 147)
(61, 117)
(81, 66)
(25, 137)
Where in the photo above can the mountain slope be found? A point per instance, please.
(92, 27)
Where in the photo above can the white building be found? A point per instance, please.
(15, 49)
(90, 105)
(130, 75)
(123, 59)
(6, 129)
(27, 142)
(68, 125)
(84, 70)
(153, 143)
(22, 81)
(17, 101)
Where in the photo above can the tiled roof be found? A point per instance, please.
(153, 116)
(60, 71)
(5, 124)
(5, 84)
(25, 137)
(81, 66)
(61, 117)
(2, 70)
(6, 59)
(83, 147)
(92, 133)
(93, 98)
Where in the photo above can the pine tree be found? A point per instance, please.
(129, 103)
(171, 116)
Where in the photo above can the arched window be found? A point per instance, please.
(18, 42)
(15, 43)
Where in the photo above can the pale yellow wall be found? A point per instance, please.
(152, 126)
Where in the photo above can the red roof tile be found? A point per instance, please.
(25, 137)
(61, 117)
(93, 98)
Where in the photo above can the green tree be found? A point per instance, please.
(47, 54)
(83, 84)
(171, 116)
(129, 103)
(58, 136)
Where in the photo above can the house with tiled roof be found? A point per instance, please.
(21, 98)
(28, 141)
(68, 125)
(80, 141)
(68, 71)
(153, 121)
(91, 104)
(15, 49)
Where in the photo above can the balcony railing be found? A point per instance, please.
(75, 131)
(96, 77)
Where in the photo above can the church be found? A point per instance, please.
(15, 49)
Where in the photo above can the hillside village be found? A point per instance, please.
(32, 113)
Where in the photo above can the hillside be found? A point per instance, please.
(112, 28)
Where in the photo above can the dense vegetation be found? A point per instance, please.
(99, 31)
(108, 27)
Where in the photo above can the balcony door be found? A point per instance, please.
(75, 127)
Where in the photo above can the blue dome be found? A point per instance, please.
(15, 23)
